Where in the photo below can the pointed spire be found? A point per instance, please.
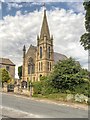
(24, 48)
(45, 28)
(37, 37)
(24, 51)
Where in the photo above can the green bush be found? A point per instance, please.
(37, 87)
(4, 76)
(83, 89)
(68, 91)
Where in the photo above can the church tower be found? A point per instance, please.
(45, 54)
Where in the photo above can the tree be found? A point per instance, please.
(67, 77)
(20, 72)
(4, 75)
(68, 74)
(85, 38)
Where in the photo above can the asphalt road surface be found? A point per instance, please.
(25, 107)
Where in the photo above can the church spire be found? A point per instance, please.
(45, 28)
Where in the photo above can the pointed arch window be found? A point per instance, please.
(40, 52)
(41, 66)
(29, 69)
(31, 66)
(50, 66)
(49, 52)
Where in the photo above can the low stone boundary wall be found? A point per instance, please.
(21, 91)
(18, 90)
(4, 88)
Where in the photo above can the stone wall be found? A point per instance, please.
(18, 90)
(4, 89)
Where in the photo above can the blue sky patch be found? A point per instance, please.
(26, 7)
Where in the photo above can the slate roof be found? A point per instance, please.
(31, 48)
(59, 56)
(6, 61)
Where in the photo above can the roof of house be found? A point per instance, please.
(59, 56)
(6, 61)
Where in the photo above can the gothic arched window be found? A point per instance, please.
(31, 66)
(28, 69)
(50, 66)
(41, 66)
(40, 52)
(49, 52)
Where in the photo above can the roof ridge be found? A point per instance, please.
(6, 61)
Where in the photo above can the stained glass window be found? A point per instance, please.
(31, 66)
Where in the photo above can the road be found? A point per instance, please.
(27, 107)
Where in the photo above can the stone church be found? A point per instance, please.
(39, 60)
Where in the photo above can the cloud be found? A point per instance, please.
(0, 11)
(36, 3)
(0, 6)
(2, 1)
(66, 26)
(43, 0)
(13, 5)
(77, 7)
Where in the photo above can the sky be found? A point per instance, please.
(20, 23)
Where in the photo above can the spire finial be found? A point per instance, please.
(44, 28)
(24, 48)
(44, 6)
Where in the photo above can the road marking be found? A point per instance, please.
(27, 115)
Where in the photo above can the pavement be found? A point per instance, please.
(16, 106)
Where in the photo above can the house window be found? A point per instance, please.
(40, 52)
(7, 68)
